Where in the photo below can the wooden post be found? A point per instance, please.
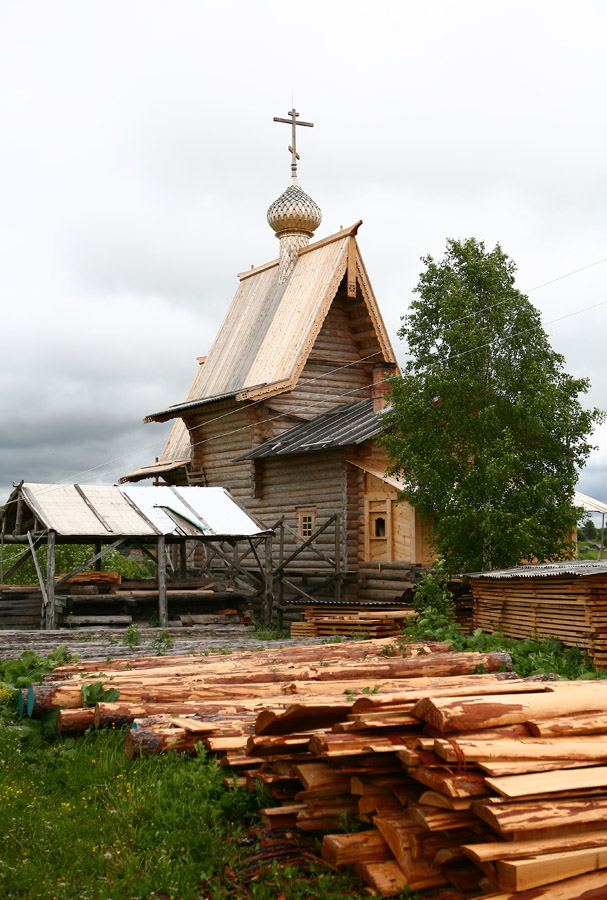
(281, 587)
(50, 621)
(268, 587)
(161, 561)
(183, 559)
(98, 561)
(338, 558)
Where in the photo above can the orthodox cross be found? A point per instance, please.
(292, 121)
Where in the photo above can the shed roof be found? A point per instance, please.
(342, 426)
(589, 503)
(106, 511)
(580, 567)
(264, 341)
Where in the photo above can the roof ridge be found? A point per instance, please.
(352, 231)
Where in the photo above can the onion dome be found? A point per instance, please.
(294, 211)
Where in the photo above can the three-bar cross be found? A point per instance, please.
(292, 121)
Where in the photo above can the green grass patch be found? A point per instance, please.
(82, 821)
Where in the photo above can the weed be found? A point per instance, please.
(131, 637)
(162, 643)
(268, 633)
(112, 639)
(94, 693)
(85, 637)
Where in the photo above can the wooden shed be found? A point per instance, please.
(108, 517)
(566, 600)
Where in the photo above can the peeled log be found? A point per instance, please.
(437, 664)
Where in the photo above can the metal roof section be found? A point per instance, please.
(165, 414)
(344, 425)
(106, 511)
(264, 341)
(582, 568)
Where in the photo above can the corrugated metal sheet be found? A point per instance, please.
(109, 510)
(583, 567)
(344, 425)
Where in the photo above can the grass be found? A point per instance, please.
(587, 549)
(81, 821)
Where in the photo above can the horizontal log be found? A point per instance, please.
(448, 714)
(99, 620)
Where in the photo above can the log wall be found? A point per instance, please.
(327, 379)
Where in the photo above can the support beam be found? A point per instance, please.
(50, 619)
(269, 579)
(39, 574)
(90, 561)
(163, 613)
(17, 564)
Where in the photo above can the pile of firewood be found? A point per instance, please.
(464, 778)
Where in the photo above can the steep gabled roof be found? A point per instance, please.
(270, 329)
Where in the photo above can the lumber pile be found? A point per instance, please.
(569, 607)
(319, 621)
(495, 790)
(481, 785)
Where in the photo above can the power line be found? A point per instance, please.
(312, 404)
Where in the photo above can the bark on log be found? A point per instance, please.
(74, 721)
(150, 741)
(471, 713)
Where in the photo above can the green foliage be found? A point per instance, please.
(131, 637)
(29, 667)
(589, 530)
(487, 431)
(95, 693)
(162, 643)
(531, 656)
(268, 633)
(163, 826)
(69, 557)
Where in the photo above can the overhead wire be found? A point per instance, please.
(311, 404)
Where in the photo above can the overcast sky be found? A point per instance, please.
(139, 158)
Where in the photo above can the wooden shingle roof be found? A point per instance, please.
(270, 329)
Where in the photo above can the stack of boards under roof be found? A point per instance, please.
(566, 600)
(466, 785)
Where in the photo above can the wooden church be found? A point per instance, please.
(284, 410)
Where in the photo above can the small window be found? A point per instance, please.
(380, 527)
(306, 521)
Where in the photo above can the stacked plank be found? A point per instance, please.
(496, 788)
(486, 783)
(569, 607)
(321, 621)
